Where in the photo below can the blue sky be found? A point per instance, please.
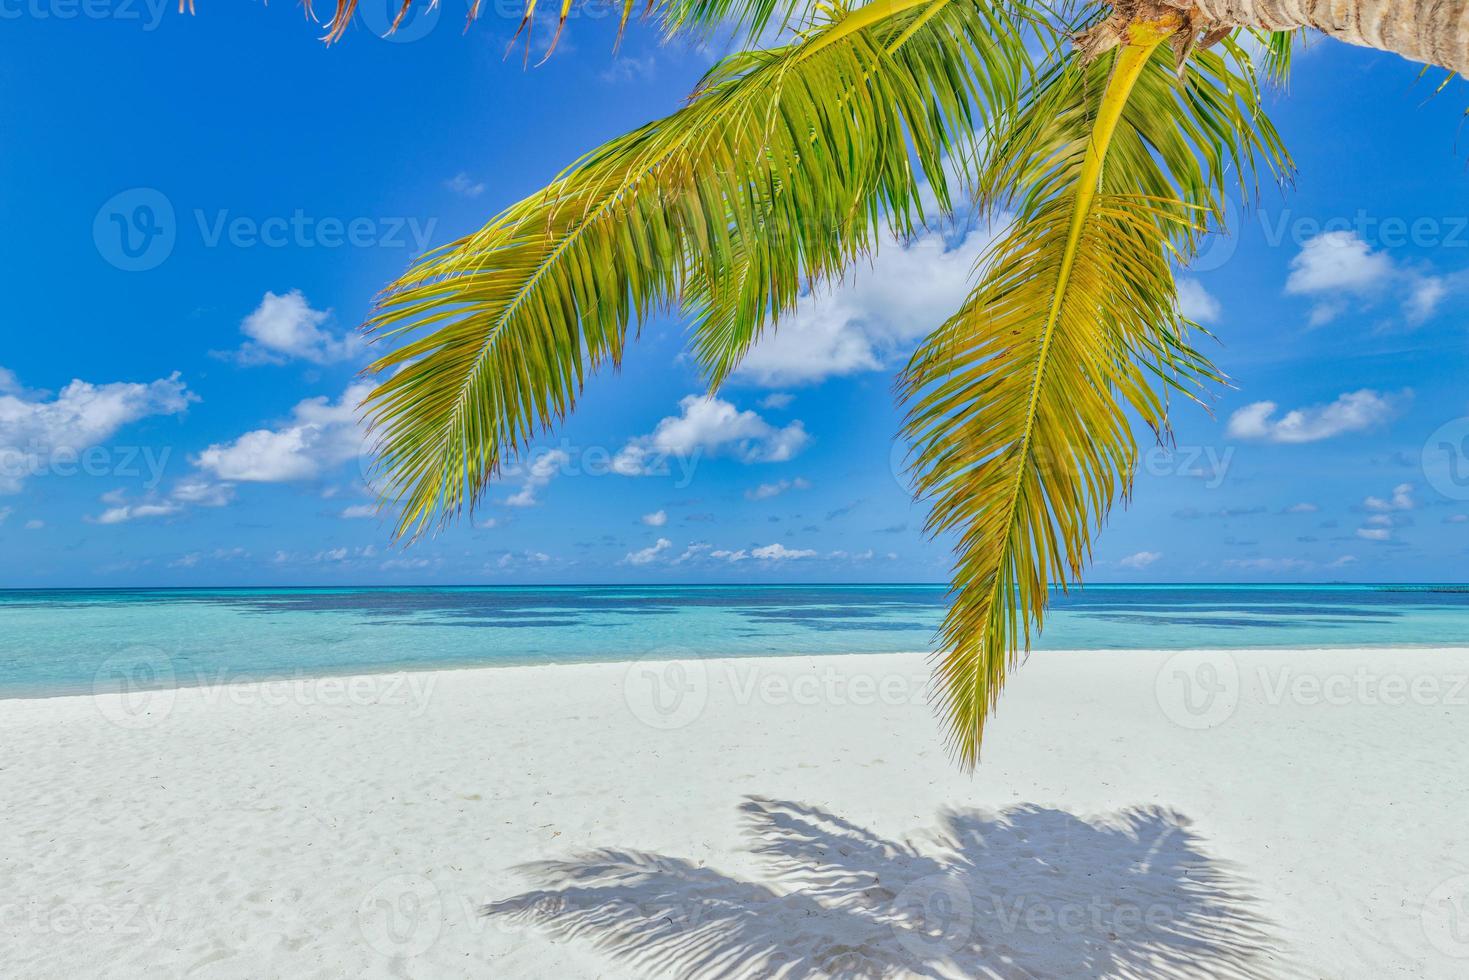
(198, 210)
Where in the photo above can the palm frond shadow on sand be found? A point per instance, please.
(1025, 892)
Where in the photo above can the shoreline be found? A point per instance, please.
(420, 667)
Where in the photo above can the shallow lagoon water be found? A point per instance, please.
(61, 641)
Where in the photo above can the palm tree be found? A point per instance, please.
(1108, 159)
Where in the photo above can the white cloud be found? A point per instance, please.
(510, 560)
(779, 552)
(878, 311)
(10, 384)
(35, 525)
(626, 68)
(777, 400)
(1457, 519)
(1337, 261)
(464, 185)
(319, 434)
(656, 519)
(1351, 412)
(329, 556)
(1140, 560)
(1424, 296)
(768, 553)
(337, 556)
(199, 492)
(35, 428)
(1339, 266)
(133, 512)
(1381, 524)
(1196, 303)
(411, 564)
(5, 513)
(1402, 499)
(648, 554)
(542, 470)
(190, 492)
(712, 426)
(692, 552)
(1324, 312)
(359, 512)
(1274, 565)
(285, 328)
(1302, 508)
(767, 490)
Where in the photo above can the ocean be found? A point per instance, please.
(66, 641)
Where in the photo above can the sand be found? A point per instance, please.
(1137, 814)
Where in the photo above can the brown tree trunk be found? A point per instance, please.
(1435, 32)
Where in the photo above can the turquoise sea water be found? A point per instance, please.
(61, 641)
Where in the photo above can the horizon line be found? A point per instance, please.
(702, 585)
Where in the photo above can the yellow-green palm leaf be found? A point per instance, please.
(783, 168)
(1020, 402)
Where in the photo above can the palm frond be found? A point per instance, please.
(782, 166)
(1019, 403)
(750, 18)
(1277, 50)
(971, 68)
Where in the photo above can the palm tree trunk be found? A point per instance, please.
(1435, 32)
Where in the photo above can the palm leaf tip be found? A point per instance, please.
(1020, 406)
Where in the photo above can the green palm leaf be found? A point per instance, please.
(783, 167)
(1019, 402)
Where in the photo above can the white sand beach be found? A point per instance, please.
(1137, 814)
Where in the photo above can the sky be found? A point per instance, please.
(197, 212)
